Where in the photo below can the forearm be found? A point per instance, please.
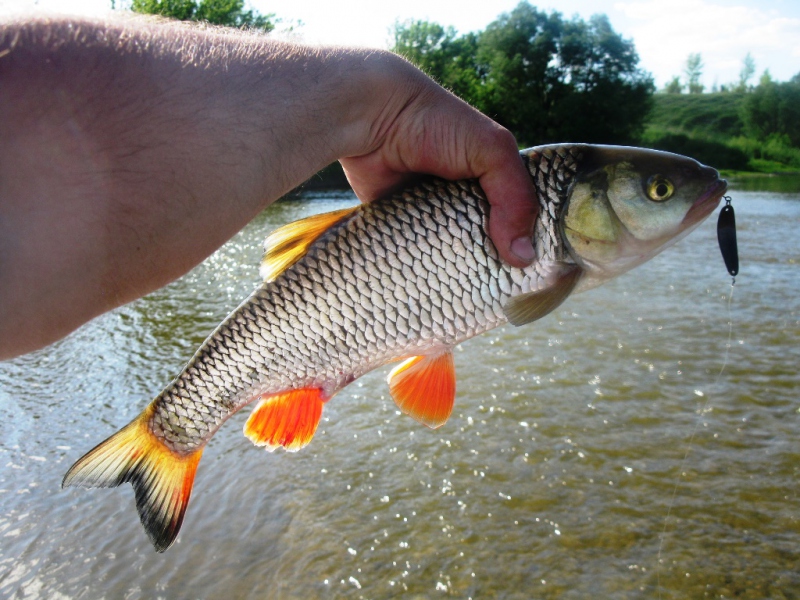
(129, 152)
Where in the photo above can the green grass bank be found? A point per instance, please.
(711, 128)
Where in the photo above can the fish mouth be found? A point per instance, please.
(706, 203)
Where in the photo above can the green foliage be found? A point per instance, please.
(713, 127)
(693, 71)
(545, 78)
(710, 152)
(182, 10)
(746, 74)
(674, 86)
(219, 12)
(442, 54)
(773, 109)
(519, 86)
(776, 149)
(716, 116)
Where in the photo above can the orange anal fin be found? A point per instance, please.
(425, 388)
(288, 244)
(288, 419)
(162, 479)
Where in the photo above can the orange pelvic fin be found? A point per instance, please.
(425, 388)
(162, 479)
(288, 419)
(286, 245)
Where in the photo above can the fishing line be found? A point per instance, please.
(726, 236)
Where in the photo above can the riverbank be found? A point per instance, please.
(711, 128)
(783, 183)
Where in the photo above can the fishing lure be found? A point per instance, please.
(726, 236)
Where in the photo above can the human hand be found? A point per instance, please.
(425, 129)
(163, 141)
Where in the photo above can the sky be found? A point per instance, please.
(664, 32)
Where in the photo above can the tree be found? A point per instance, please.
(442, 54)
(425, 44)
(693, 71)
(520, 83)
(747, 72)
(544, 78)
(674, 86)
(554, 80)
(220, 12)
(772, 109)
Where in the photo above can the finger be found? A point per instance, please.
(481, 148)
(441, 135)
(512, 197)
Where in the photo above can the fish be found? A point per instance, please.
(405, 278)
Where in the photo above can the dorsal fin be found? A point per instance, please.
(425, 388)
(529, 307)
(284, 246)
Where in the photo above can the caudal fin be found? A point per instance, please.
(162, 479)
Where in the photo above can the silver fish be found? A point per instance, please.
(404, 278)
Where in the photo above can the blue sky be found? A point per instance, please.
(665, 31)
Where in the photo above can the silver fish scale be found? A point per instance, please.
(413, 275)
(552, 170)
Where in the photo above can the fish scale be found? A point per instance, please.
(336, 292)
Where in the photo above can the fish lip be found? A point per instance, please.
(706, 203)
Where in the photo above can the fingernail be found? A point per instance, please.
(522, 247)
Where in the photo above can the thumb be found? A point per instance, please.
(509, 190)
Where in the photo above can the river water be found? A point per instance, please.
(596, 453)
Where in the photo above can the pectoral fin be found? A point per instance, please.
(534, 305)
(425, 388)
(286, 245)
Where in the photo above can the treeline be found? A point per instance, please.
(773, 109)
(551, 79)
(757, 130)
(544, 77)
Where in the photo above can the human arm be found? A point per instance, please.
(131, 149)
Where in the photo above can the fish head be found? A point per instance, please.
(625, 205)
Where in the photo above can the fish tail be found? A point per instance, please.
(162, 478)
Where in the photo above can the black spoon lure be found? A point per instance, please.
(726, 235)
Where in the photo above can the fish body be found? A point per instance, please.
(404, 278)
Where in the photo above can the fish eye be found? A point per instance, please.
(659, 188)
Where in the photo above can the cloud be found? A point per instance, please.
(665, 33)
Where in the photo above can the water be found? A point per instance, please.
(571, 442)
